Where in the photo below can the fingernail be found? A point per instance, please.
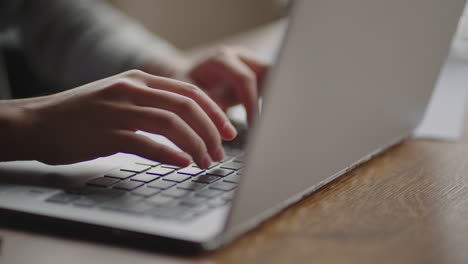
(229, 131)
(206, 163)
(218, 154)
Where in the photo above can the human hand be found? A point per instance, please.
(101, 118)
(229, 76)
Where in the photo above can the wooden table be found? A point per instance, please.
(408, 205)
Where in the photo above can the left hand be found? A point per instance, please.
(229, 76)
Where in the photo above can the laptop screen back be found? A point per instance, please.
(353, 78)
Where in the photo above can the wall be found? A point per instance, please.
(190, 23)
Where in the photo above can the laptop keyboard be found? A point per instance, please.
(159, 190)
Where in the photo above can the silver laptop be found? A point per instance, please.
(353, 77)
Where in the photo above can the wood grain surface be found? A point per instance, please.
(408, 205)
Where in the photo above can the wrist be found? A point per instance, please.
(13, 128)
(169, 66)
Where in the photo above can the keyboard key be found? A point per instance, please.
(63, 198)
(175, 193)
(147, 162)
(131, 208)
(103, 192)
(227, 157)
(240, 158)
(190, 171)
(83, 190)
(145, 191)
(160, 184)
(188, 204)
(89, 201)
(145, 177)
(123, 203)
(201, 208)
(232, 165)
(191, 186)
(176, 177)
(86, 202)
(233, 178)
(102, 181)
(205, 178)
(185, 216)
(135, 167)
(219, 172)
(120, 174)
(214, 164)
(223, 186)
(161, 171)
(228, 196)
(94, 196)
(139, 208)
(159, 200)
(31, 191)
(208, 193)
(192, 201)
(171, 212)
(128, 185)
(174, 167)
(217, 202)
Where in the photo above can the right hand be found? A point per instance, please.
(101, 118)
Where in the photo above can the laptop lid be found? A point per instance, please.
(353, 78)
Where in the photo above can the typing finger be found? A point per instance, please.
(168, 124)
(244, 82)
(259, 66)
(187, 109)
(215, 113)
(143, 146)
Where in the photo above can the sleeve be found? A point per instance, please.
(72, 42)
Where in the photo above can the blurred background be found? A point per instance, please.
(188, 24)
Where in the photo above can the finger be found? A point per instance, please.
(168, 124)
(216, 114)
(259, 66)
(145, 147)
(223, 95)
(187, 109)
(244, 82)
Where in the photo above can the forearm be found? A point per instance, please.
(11, 131)
(82, 40)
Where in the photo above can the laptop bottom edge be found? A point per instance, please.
(69, 229)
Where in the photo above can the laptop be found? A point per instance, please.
(352, 78)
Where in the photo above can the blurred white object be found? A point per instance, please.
(445, 113)
(460, 42)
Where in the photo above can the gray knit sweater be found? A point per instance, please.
(72, 42)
